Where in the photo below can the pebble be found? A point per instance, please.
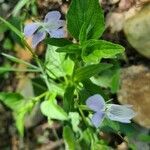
(137, 31)
(135, 91)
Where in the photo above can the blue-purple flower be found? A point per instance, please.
(52, 25)
(121, 113)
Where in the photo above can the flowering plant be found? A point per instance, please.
(71, 72)
(114, 112)
(51, 25)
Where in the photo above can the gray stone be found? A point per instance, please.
(135, 91)
(137, 31)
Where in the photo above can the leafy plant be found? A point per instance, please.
(72, 72)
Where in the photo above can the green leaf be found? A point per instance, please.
(68, 66)
(59, 88)
(69, 138)
(73, 48)
(17, 60)
(86, 138)
(11, 100)
(20, 114)
(19, 6)
(39, 87)
(59, 42)
(115, 82)
(57, 64)
(108, 79)
(85, 18)
(68, 101)
(92, 88)
(75, 17)
(4, 69)
(103, 79)
(89, 71)
(93, 26)
(89, 89)
(50, 109)
(94, 50)
(110, 126)
(75, 120)
(100, 146)
(7, 44)
(15, 102)
(13, 28)
(19, 118)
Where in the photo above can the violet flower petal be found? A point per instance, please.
(95, 103)
(52, 16)
(121, 113)
(54, 25)
(37, 38)
(97, 119)
(60, 33)
(60, 23)
(29, 29)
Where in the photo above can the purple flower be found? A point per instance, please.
(114, 112)
(51, 25)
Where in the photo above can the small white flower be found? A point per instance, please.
(121, 113)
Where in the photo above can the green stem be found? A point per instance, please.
(52, 73)
(44, 74)
(38, 63)
(82, 114)
(84, 107)
(40, 96)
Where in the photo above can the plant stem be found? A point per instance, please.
(84, 107)
(38, 63)
(40, 96)
(82, 114)
(44, 74)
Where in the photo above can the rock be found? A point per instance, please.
(135, 90)
(137, 31)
